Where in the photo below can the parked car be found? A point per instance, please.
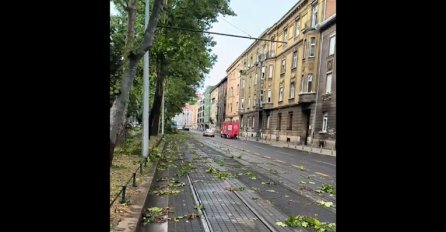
(209, 132)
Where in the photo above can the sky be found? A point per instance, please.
(253, 17)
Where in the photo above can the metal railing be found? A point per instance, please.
(142, 163)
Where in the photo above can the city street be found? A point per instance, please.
(274, 183)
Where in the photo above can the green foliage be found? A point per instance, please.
(185, 57)
(307, 222)
(326, 188)
(154, 154)
(327, 204)
(133, 143)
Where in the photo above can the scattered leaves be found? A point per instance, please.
(213, 170)
(251, 175)
(155, 215)
(166, 192)
(176, 183)
(281, 224)
(308, 222)
(327, 204)
(326, 188)
(200, 207)
(232, 189)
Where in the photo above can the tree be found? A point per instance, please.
(133, 54)
(182, 59)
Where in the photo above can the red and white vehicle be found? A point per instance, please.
(229, 130)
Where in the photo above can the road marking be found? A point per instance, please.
(259, 147)
(284, 153)
(268, 157)
(325, 163)
(321, 174)
(280, 161)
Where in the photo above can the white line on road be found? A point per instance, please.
(325, 163)
(283, 152)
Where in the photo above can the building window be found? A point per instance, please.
(297, 28)
(292, 90)
(328, 83)
(283, 66)
(273, 46)
(243, 101)
(279, 120)
(332, 45)
(290, 120)
(261, 97)
(285, 35)
(304, 49)
(255, 100)
(250, 62)
(243, 83)
(281, 94)
(255, 81)
(263, 73)
(294, 64)
(249, 102)
(268, 118)
(314, 15)
(270, 71)
(309, 82)
(325, 122)
(253, 122)
(231, 107)
(312, 46)
(269, 95)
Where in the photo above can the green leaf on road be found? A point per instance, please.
(327, 204)
(281, 224)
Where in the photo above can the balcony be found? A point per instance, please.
(267, 105)
(307, 97)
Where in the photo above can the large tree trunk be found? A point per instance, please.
(121, 137)
(156, 108)
(117, 110)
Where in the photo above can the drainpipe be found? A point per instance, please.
(324, 10)
(318, 89)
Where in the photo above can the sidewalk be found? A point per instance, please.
(299, 147)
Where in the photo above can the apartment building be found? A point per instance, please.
(278, 78)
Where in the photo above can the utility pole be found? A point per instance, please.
(146, 137)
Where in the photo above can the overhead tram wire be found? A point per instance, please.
(217, 33)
